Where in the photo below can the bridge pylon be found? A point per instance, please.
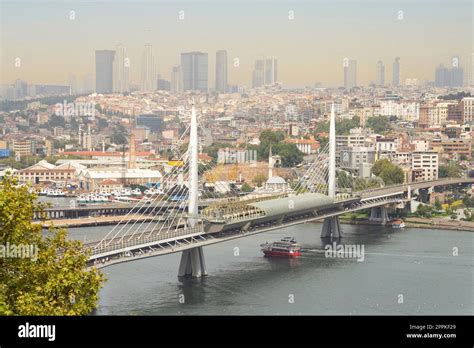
(332, 226)
(192, 260)
(379, 214)
(192, 263)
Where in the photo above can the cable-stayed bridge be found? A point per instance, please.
(322, 193)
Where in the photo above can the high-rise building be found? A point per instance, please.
(195, 71)
(265, 72)
(445, 77)
(457, 73)
(468, 109)
(380, 74)
(396, 72)
(148, 73)
(121, 70)
(104, 76)
(442, 76)
(176, 79)
(21, 89)
(258, 77)
(162, 84)
(271, 75)
(221, 71)
(350, 74)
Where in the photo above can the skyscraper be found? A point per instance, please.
(176, 79)
(148, 73)
(445, 77)
(442, 76)
(258, 77)
(265, 72)
(121, 70)
(350, 74)
(396, 72)
(380, 74)
(195, 71)
(221, 71)
(104, 60)
(271, 71)
(457, 73)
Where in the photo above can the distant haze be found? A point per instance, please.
(310, 48)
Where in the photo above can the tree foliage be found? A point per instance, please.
(388, 172)
(55, 281)
(343, 127)
(450, 170)
(289, 153)
(379, 124)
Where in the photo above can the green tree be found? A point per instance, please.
(55, 281)
(119, 136)
(343, 127)
(379, 124)
(259, 179)
(388, 172)
(289, 153)
(424, 210)
(246, 188)
(451, 170)
(56, 121)
(438, 205)
(102, 123)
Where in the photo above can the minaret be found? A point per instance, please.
(132, 160)
(270, 163)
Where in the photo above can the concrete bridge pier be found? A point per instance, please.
(379, 214)
(192, 263)
(331, 228)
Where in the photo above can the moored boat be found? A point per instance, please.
(399, 223)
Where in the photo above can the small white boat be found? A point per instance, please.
(398, 224)
(136, 192)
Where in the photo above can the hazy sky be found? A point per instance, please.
(310, 48)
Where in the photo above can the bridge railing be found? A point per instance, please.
(145, 240)
(446, 181)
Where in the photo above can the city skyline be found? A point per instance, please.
(301, 62)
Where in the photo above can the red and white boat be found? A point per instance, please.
(287, 247)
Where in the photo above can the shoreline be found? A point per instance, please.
(465, 226)
(426, 225)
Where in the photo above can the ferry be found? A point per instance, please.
(92, 198)
(153, 192)
(136, 192)
(398, 224)
(55, 193)
(287, 247)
